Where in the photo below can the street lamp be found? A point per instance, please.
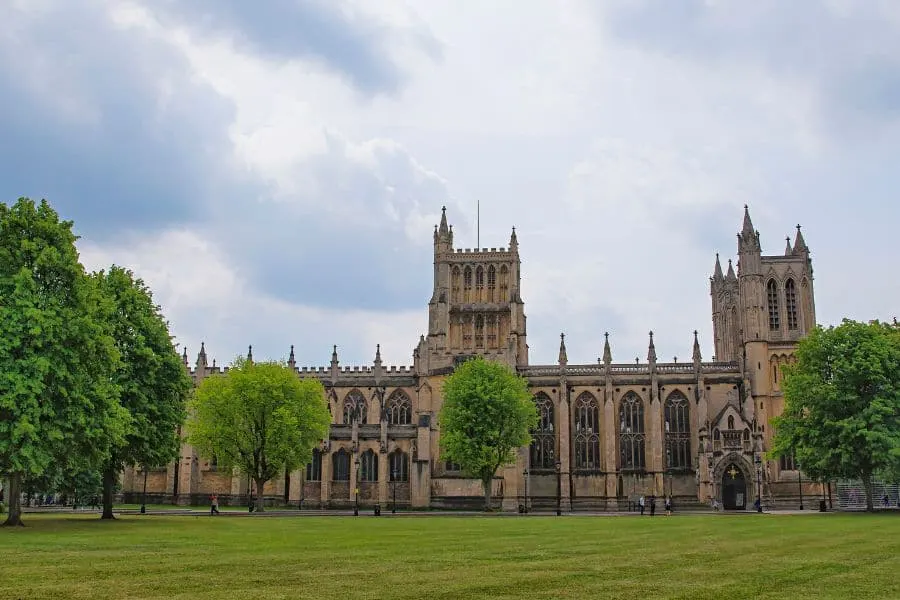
(558, 488)
(144, 495)
(799, 484)
(525, 473)
(394, 484)
(758, 462)
(356, 490)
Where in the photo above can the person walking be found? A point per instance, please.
(213, 505)
(641, 504)
(668, 506)
(652, 505)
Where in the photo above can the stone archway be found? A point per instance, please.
(734, 482)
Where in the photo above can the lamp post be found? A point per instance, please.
(356, 491)
(800, 485)
(558, 488)
(525, 473)
(394, 485)
(144, 495)
(758, 462)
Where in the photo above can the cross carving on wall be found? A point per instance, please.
(733, 472)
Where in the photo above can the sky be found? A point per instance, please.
(274, 170)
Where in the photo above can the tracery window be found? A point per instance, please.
(355, 408)
(340, 465)
(467, 285)
(543, 440)
(678, 432)
(479, 331)
(399, 409)
(314, 466)
(479, 284)
(730, 422)
(790, 304)
(492, 331)
(587, 432)
(787, 462)
(491, 283)
(504, 284)
(455, 295)
(368, 466)
(772, 295)
(631, 433)
(399, 463)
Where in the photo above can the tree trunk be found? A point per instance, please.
(260, 484)
(14, 499)
(867, 485)
(486, 482)
(109, 485)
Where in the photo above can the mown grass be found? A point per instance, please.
(690, 557)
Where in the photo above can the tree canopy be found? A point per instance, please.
(153, 385)
(487, 415)
(57, 360)
(842, 403)
(260, 418)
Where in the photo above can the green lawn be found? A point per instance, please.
(686, 556)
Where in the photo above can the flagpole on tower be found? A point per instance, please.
(478, 223)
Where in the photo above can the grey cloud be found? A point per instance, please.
(84, 124)
(317, 29)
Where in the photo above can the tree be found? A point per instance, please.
(487, 414)
(260, 418)
(153, 385)
(57, 395)
(842, 403)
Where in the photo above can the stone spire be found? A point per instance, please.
(250, 353)
(563, 357)
(748, 239)
(747, 231)
(334, 356)
(800, 243)
(787, 249)
(291, 361)
(377, 354)
(513, 240)
(697, 357)
(730, 276)
(184, 357)
(717, 272)
(201, 356)
(651, 350)
(443, 229)
(607, 353)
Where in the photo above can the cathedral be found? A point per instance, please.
(608, 432)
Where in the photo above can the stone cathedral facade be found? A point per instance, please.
(608, 432)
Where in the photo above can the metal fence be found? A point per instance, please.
(852, 495)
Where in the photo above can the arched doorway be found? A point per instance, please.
(734, 488)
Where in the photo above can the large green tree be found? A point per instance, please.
(260, 418)
(153, 385)
(487, 415)
(58, 397)
(842, 403)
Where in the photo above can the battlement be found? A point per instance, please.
(481, 251)
(599, 370)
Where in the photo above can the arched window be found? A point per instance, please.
(467, 285)
(340, 466)
(491, 283)
(587, 432)
(368, 466)
(355, 408)
(746, 435)
(787, 462)
(631, 433)
(730, 422)
(479, 284)
(678, 432)
(716, 434)
(399, 409)
(455, 291)
(479, 331)
(543, 440)
(504, 284)
(399, 463)
(790, 304)
(314, 466)
(772, 296)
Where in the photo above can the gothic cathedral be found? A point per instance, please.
(608, 432)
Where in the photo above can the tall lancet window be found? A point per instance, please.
(790, 304)
(467, 285)
(678, 432)
(491, 284)
(631, 433)
(479, 284)
(772, 296)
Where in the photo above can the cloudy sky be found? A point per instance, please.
(274, 169)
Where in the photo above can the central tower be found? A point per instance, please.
(476, 307)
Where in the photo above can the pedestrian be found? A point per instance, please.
(641, 504)
(213, 505)
(652, 505)
(668, 506)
